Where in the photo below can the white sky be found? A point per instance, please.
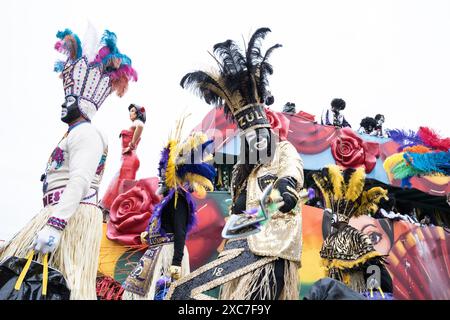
(384, 56)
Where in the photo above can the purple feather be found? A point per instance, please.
(192, 217)
(158, 210)
(404, 138)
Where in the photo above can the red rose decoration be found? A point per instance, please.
(130, 212)
(278, 122)
(350, 151)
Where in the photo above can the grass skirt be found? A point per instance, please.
(244, 287)
(77, 254)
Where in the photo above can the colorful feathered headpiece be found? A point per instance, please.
(185, 168)
(187, 163)
(239, 84)
(92, 81)
(344, 192)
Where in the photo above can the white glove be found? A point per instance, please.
(175, 272)
(47, 240)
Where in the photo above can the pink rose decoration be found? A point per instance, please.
(130, 212)
(350, 151)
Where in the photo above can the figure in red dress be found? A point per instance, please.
(126, 176)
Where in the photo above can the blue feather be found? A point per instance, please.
(68, 32)
(431, 162)
(203, 169)
(404, 138)
(59, 66)
(62, 34)
(109, 39)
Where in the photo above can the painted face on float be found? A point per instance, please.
(258, 143)
(380, 121)
(70, 110)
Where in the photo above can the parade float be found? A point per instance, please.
(412, 166)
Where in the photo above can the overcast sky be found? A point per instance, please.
(390, 57)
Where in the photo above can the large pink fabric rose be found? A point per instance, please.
(278, 122)
(130, 212)
(350, 151)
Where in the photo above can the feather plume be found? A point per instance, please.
(319, 183)
(171, 177)
(429, 163)
(417, 149)
(253, 53)
(402, 170)
(203, 169)
(254, 58)
(355, 185)
(404, 138)
(115, 64)
(263, 71)
(433, 140)
(90, 42)
(370, 200)
(198, 183)
(392, 161)
(232, 60)
(69, 44)
(111, 62)
(337, 180)
(207, 86)
(241, 78)
(324, 187)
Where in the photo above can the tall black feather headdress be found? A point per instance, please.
(239, 84)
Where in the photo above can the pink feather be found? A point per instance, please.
(103, 52)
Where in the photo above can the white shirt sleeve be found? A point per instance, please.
(327, 117)
(85, 149)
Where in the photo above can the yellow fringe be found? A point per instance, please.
(343, 264)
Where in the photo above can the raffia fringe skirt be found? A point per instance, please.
(244, 287)
(77, 254)
(162, 265)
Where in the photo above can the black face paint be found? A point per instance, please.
(70, 111)
(257, 146)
